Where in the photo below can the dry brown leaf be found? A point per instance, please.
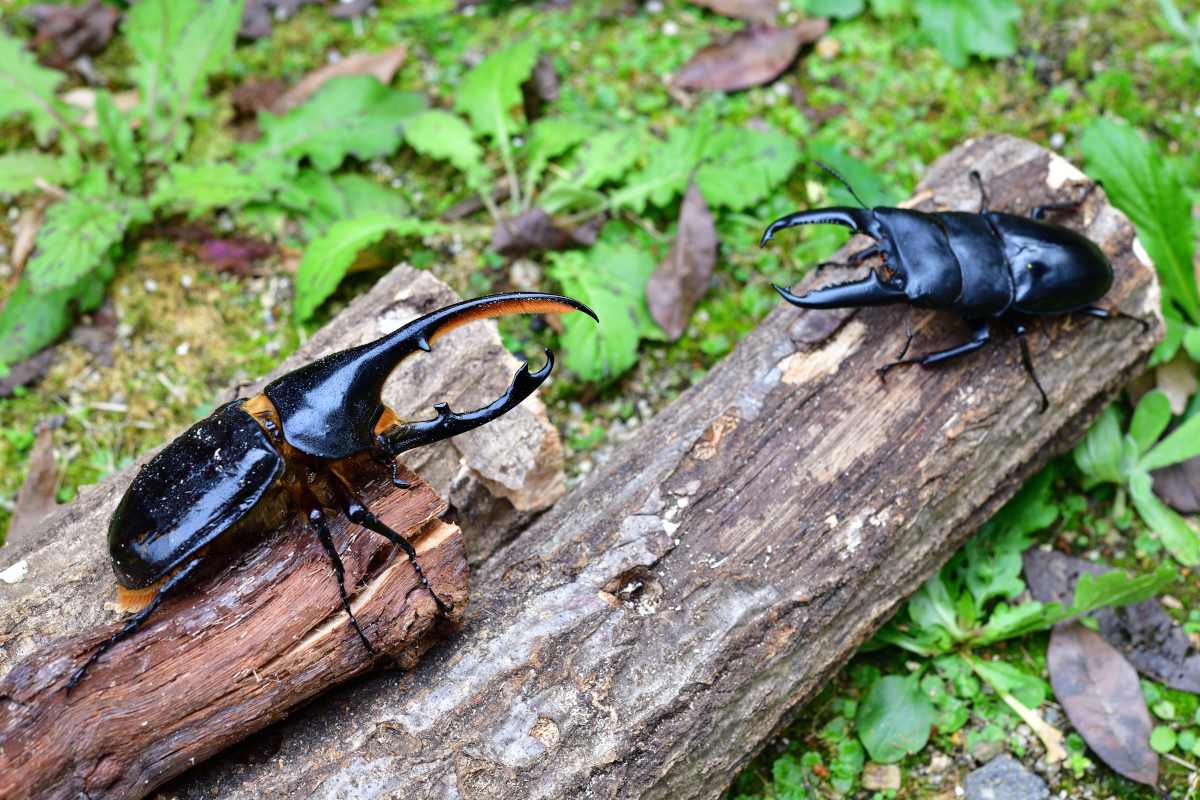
(76, 30)
(1178, 485)
(750, 57)
(36, 500)
(751, 10)
(26, 371)
(682, 277)
(28, 224)
(1102, 696)
(536, 230)
(382, 65)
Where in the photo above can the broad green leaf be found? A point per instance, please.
(1150, 419)
(550, 137)
(20, 169)
(1116, 590)
(668, 165)
(1191, 342)
(355, 115)
(1169, 346)
(442, 135)
(75, 236)
(326, 260)
(1162, 739)
(199, 188)
(117, 136)
(1152, 196)
(611, 280)
(31, 321)
(932, 605)
(895, 719)
(324, 199)
(364, 197)
(961, 28)
(866, 183)
(1179, 539)
(1179, 445)
(838, 9)
(1101, 454)
(153, 29)
(1006, 622)
(26, 87)
(493, 87)
(607, 156)
(992, 566)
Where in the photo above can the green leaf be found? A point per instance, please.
(742, 167)
(1152, 196)
(550, 137)
(494, 86)
(1102, 455)
(442, 135)
(1162, 739)
(76, 234)
(960, 28)
(1003, 677)
(607, 156)
(1150, 419)
(20, 169)
(326, 260)
(355, 115)
(895, 719)
(1179, 539)
(611, 280)
(199, 188)
(838, 9)
(117, 136)
(932, 605)
(31, 321)
(324, 200)
(1116, 590)
(27, 87)
(1191, 342)
(1180, 445)
(992, 567)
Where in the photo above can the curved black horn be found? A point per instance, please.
(859, 220)
(870, 291)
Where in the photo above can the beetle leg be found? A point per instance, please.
(1019, 328)
(317, 518)
(175, 581)
(1040, 211)
(982, 191)
(979, 336)
(907, 332)
(407, 435)
(1100, 313)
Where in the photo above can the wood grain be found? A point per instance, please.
(647, 635)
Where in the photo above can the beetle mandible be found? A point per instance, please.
(985, 265)
(294, 448)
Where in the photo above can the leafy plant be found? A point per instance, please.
(1187, 32)
(1107, 456)
(148, 162)
(1140, 183)
(966, 606)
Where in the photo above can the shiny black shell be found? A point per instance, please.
(1054, 269)
(197, 488)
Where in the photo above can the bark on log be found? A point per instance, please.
(230, 657)
(650, 632)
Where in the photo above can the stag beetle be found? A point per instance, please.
(239, 472)
(981, 265)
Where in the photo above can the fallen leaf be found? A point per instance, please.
(350, 8)
(682, 277)
(542, 87)
(1102, 696)
(880, 777)
(1178, 485)
(256, 95)
(76, 30)
(1154, 643)
(752, 10)
(750, 57)
(382, 65)
(1177, 380)
(234, 254)
(475, 204)
(96, 332)
(258, 16)
(536, 230)
(26, 371)
(36, 499)
(28, 224)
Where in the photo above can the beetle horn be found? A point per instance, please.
(870, 291)
(859, 220)
(407, 435)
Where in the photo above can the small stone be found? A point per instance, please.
(670, 28)
(1004, 778)
(183, 349)
(150, 285)
(984, 751)
(939, 763)
(880, 777)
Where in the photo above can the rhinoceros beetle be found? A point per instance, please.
(239, 472)
(985, 265)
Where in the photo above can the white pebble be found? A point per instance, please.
(182, 349)
(185, 280)
(670, 28)
(150, 285)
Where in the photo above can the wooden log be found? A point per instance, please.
(229, 657)
(648, 634)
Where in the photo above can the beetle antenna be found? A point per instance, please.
(845, 182)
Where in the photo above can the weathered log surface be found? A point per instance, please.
(518, 457)
(645, 636)
(230, 657)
